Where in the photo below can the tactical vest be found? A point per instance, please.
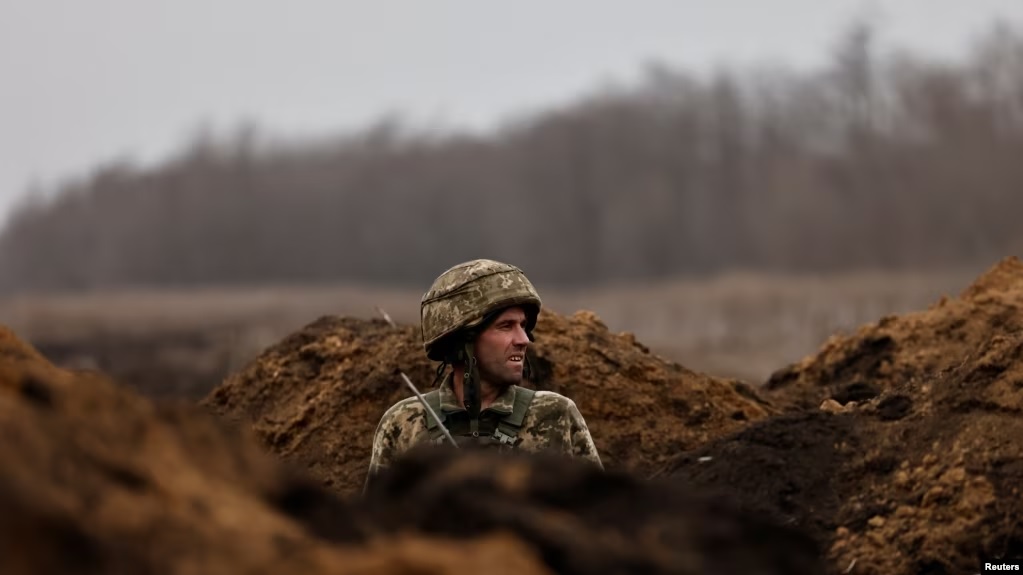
(501, 432)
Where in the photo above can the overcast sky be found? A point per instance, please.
(85, 82)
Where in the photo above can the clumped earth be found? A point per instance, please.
(317, 396)
(897, 349)
(914, 463)
(582, 520)
(96, 479)
(893, 450)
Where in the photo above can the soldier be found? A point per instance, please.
(478, 317)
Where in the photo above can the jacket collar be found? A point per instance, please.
(504, 404)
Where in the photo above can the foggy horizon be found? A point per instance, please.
(84, 100)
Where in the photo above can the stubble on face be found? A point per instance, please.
(501, 349)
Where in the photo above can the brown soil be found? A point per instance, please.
(317, 396)
(98, 480)
(899, 349)
(897, 452)
(582, 520)
(922, 474)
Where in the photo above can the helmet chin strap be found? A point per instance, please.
(471, 388)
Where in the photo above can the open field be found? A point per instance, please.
(744, 325)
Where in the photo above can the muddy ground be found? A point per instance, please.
(97, 479)
(892, 449)
(899, 446)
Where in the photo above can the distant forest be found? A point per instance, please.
(878, 160)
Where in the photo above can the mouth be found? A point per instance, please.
(518, 359)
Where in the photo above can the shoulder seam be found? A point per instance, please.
(403, 403)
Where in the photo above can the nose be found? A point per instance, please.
(520, 338)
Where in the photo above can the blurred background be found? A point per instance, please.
(183, 184)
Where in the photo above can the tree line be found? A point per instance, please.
(878, 160)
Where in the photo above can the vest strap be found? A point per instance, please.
(508, 427)
(433, 400)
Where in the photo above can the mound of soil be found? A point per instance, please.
(784, 467)
(317, 396)
(921, 477)
(582, 520)
(95, 479)
(898, 349)
(946, 462)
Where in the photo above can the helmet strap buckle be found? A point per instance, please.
(471, 388)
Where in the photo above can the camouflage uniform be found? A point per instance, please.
(552, 423)
(459, 301)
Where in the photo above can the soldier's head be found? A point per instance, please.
(485, 309)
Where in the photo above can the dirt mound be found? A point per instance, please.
(923, 475)
(784, 467)
(899, 349)
(946, 458)
(95, 479)
(317, 396)
(581, 520)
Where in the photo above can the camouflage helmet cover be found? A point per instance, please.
(465, 294)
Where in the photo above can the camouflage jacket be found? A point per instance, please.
(553, 422)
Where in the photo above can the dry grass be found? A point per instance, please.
(740, 325)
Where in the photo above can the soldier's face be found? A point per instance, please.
(501, 349)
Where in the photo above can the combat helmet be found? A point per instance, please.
(465, 295)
